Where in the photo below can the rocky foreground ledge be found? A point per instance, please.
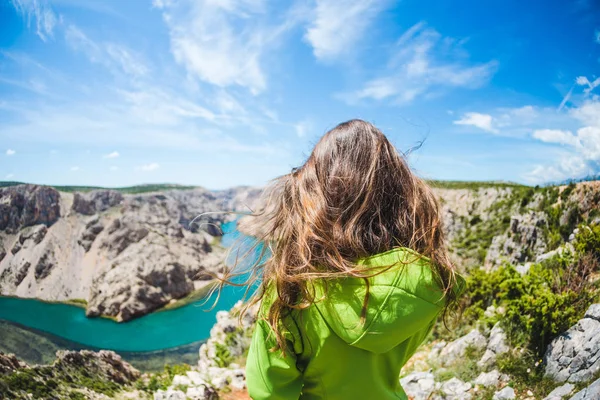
(571, 365)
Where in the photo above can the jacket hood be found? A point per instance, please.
(403, 300)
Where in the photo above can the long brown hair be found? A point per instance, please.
(355, 196)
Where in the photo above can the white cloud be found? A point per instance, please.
(555, 136)
(10, 152)
(481, 121)
(75, 168)
(588, 113)
(222, 42)
(567, 168)
(40, 13)
(424, 64)
(114, 168)
(582, 148)
(114, 154)
(9, 176)
(148, 167)
(302, 128)
(339, 24)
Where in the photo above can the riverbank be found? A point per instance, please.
(36, 347)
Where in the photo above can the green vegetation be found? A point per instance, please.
(473, 184)
(45, 382)
(542, 303)
(161, 380)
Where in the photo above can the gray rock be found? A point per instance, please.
(592, 392)
(9, 363)
(497, 344)
(96, 201)
(593, 312)
(492, 378)
(507, 393)
(560, 392)
(26, 205)
(455, 389)
(524, 237)
(169, 394)
(418, 385)
(2, 250)
(574, 356)
(457, 349)
(45, 264)
(22, 272)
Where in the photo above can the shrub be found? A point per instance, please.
(539, 305)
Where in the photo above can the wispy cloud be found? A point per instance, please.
(222, 43)
(75, 168)
(148, 167)
(482, 121)
(10, 152)
(114, 154)
(423, 63)
(9, 176)
(39, 13)
(338, 25)
(584, 81)
(116, 57)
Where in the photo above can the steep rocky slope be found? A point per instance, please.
(530, 324)
(124, 254)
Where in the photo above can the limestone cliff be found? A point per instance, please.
(124, 254)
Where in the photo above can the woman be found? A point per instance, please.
(356, 275)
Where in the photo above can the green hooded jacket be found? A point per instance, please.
(331, 353)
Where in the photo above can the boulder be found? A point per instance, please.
(591, 392)
(492, 378)
(457, 349)
(574, 356)
(507, 393)
(455, 389)
(561, 392)
(497, 344)
(418, 385)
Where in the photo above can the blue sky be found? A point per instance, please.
(229, 92)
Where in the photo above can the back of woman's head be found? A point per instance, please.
(355, 196)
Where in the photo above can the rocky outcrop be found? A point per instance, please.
(497, 345)
(96, 201)
(591, 392)
(92, 228)
(44, 265)
(457, 349)
(575, 355)
(522, 242)
(73, 375)
(9, 363)
(103, 365)
(26, 205)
